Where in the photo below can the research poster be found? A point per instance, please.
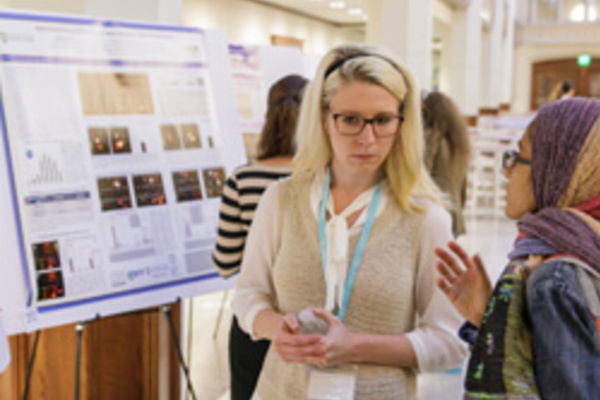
(117, 154)
(250, 93)
(254, 70)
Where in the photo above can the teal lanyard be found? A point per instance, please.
(360, 247)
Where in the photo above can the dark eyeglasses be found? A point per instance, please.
(384, 125)
(510, 158)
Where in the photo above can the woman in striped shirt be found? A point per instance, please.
(240, 198)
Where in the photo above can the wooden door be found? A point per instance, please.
(547, 74)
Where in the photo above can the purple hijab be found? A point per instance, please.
(559, 134)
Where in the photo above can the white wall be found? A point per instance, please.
(484, 75)
(527, 55)
(443, 20)
(161, 11)
(443, 31)
(522, 11)
(247, 22)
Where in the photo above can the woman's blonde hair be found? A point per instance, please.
(404, 168)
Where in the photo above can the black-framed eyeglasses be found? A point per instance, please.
(384, 125)
(511, 158)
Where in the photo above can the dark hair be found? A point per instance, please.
(283, 107)
(566, 86)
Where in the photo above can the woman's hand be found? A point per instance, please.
(337, 342)
(468, 286)
(295, 347)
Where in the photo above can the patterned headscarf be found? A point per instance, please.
(566, 178)
(565, 169)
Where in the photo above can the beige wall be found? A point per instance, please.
(527, 55)
(243, 21)
(60, 6)
(247, 22)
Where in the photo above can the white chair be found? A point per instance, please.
(486, 191)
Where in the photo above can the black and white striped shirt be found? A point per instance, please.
(241, 195)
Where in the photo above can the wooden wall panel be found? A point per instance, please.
(13, 378)
(54, 369)
(546, 74)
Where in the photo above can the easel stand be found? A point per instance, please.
(167, 310)
(79, 329)
(30, 365)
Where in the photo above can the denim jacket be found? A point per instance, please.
(564, 320)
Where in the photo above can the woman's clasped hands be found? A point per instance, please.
(322, 350)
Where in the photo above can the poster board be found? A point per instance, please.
(116, 141)
(255, 69)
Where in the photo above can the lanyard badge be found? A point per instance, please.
(360, 247)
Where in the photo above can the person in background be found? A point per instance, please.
(447, 152)
(241, 194)
(562, 90)
(535, 335)
(349, 238)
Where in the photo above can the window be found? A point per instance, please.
(565, 11)
(547, 10)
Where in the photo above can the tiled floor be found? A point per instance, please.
(491, 237)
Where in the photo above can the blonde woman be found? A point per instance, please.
(350, 237)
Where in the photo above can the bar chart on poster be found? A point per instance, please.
(116, 141)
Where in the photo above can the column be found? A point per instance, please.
(159, 11)
(466, 59)
(508, 51)
(492, 51)
(404, 27)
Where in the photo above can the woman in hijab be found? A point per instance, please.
(535, 335)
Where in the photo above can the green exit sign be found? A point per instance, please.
(584, 60)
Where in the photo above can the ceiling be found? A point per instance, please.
(343, 12)
(348, 12)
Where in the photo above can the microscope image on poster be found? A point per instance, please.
(170, 137)
(48, 267)
(187, 186)
(214, 181)
(114, 193)
(106, 141)
(149, 190)
(184, 136)
(99, 143)
(191, 136)
(119, 139)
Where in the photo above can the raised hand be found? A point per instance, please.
(295, 347)
(466, 284)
